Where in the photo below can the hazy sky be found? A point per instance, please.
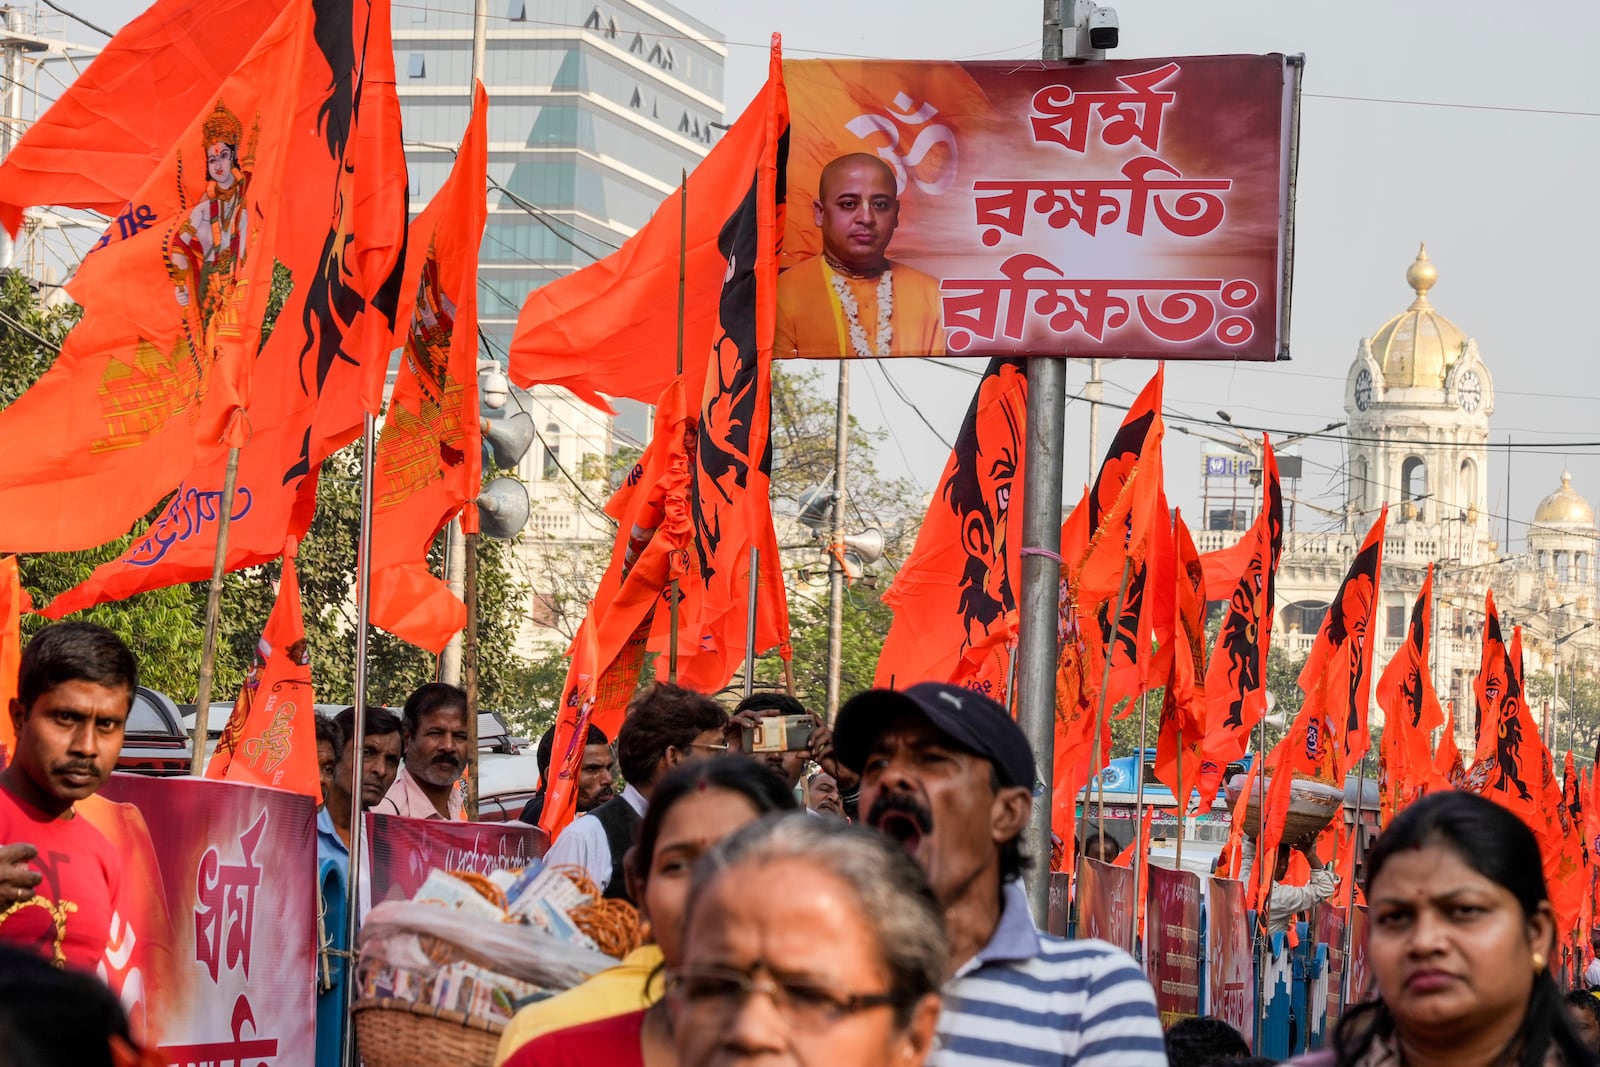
(1500, 185)
(1504, 199)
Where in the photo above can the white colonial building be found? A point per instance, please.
(1418, 400)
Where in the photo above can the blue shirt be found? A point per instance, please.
(333, 875)
(1029, 998)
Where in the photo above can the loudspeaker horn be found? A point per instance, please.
(816, 507)
(866, 545)
(504, 508)
(509, 438)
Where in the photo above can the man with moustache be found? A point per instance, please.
(60, 877)
(947, 773)
(379, 753)
(852, 300)
(597, 774)
(435, 718)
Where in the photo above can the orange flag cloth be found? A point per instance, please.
(159, 368)
(955, 599)
(1180, 742)
(1411, 712)
(271, 737)
(103, 137)
(1236, 676)
(1448, 772)
(430, 454)
(13, 604)
(348, 201)
(731, 472)
(611, 327)
(573, 718)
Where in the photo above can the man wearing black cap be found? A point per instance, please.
(947, 773)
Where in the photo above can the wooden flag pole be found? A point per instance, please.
(469, 672)
(1139, 856)
(1350, 897)
(358, 732)
(750, 625)
(1094, 759)
(208, 650)
(1183, 797)
(683, 281)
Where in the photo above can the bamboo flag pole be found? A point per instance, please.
(683, 267)
(1350, 897)
(1140, 857)
(208, 650)
(750, 625)
(1094, 760)
(369, 448)
(1183, 797)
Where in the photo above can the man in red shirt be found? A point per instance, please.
(60, 878)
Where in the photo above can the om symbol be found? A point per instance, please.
(905, 112)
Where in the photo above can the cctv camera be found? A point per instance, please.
(1103, 27)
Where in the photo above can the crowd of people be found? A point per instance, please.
(870, 912)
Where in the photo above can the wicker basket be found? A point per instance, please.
(1312, 806)
(399, 1033)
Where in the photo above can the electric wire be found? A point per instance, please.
(75, 17)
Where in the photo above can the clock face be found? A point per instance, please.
(1469, 392)
(1363, 389)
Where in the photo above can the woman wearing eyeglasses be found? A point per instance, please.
(693, 807)
(811, 943)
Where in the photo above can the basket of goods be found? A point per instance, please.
(441, 974)
(1312, 806)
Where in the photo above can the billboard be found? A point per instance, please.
(1172, 943)
(1131, 208)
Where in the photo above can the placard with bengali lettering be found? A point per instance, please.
(214, 947)
(1134, 208)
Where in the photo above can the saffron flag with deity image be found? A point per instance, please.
(1133, 208)
(347, 199)
(270, 737)
(159, 368)
(430, 454)
(102, 138)
(955, 598)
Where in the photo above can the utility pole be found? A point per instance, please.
(1065, 31)
(836, 574)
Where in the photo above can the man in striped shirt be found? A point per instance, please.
(947, 773)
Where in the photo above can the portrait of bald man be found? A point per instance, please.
(853, 300)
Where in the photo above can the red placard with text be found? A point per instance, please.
(1230, 979)
(1330, 932)
(1360, 976)
(1172, 943)
(215, 957)
(1105, 898)
(401, 851)
(1126, 208)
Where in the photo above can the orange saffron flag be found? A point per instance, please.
(347, 197)
(271, 737)
(13, 605)
(113, 125)
(1411, 712)
(1448, 771)
(955, 599)
(429, 461)
(573, 717)
(1236, 676)
(159, 367)
(731, 473)
(610, 329)
(1337, 676)
(1490, 688)
(1180, 741)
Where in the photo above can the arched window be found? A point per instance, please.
(1467, 486)
(552, 451)
(1414, 478)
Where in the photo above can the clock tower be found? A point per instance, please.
(1418, 399)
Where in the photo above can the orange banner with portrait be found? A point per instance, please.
(1130, 208)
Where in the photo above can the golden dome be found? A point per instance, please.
(1417, 346)
(1564, 507)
